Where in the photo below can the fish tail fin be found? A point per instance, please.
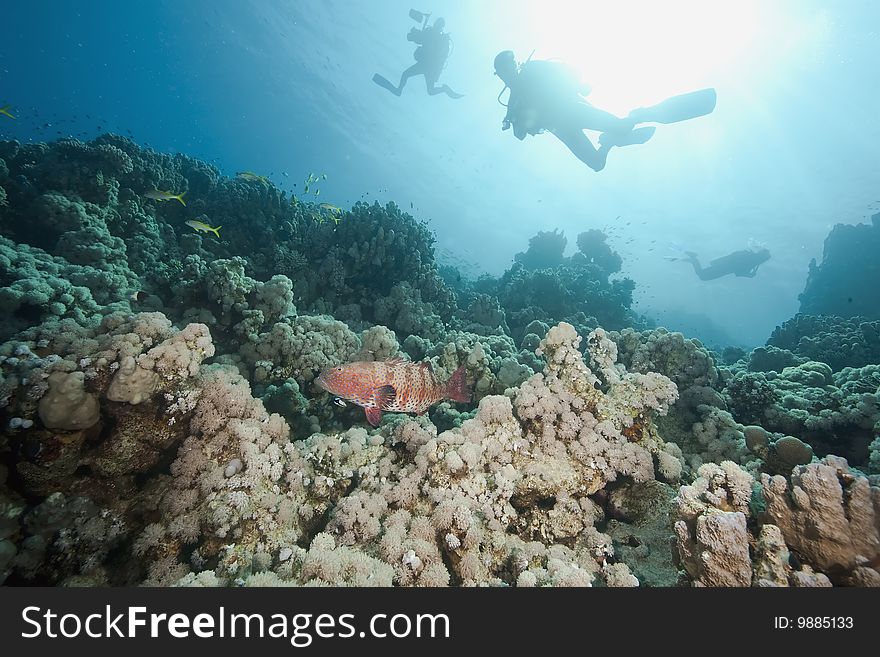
(216, 231)
(180, 196)
(6, 110)
(456, 388)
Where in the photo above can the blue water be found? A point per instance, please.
(284, 89)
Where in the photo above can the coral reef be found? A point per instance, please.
(846, 283)
(686, 362)
(581, 289)
(829, 516)
(241, 502)
(545, 251)
(837, 341)
(835, 412)
(79, 235)
(711, 535)
(160, 425)
(823, 512)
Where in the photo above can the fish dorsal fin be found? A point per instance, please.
(426, 365)
(395, 360)
(385, 396)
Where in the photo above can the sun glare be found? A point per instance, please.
(638, 52)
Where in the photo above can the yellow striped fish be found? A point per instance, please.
(156, 195)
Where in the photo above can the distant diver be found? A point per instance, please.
(431, 55)
(547, 96)
(743, 263)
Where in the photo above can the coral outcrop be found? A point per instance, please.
(159, 421)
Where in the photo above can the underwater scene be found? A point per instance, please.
(351, 293)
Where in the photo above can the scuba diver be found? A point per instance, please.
(743, 263)
(430, 56)
(547, 96)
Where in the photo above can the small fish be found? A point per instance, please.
(156, 195)
(201, 227)
(339, 401)
(5, 111)
(330, 207)
(138, 296)
(252, 177)
(394, 386)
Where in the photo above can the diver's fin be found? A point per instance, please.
(385, 83)
(678, 108)
(637, 136)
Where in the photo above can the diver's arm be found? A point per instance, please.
(518, 130)
(506, 122)
(512, 121)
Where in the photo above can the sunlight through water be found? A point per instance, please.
(639, 52)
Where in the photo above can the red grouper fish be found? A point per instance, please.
(395, 386)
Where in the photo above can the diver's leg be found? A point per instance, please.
(433, 89)
(579, 144)
(593, 118)
(615, 131)
(634, 136)
(385, 83)
(415, 69)
(431, 78)
(703, 274)
(431, 86)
